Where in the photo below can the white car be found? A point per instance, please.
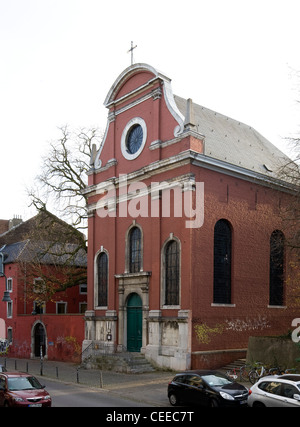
(276, 391)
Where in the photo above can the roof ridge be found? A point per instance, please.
(22, 250)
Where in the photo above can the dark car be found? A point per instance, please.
(206, 388)
(3, 368)
(18, 389)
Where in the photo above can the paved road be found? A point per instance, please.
(75, 396)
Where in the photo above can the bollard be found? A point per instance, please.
(101, 380)
(27, 367)
(77, 376)
(57, 372)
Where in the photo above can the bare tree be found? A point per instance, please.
(58, 251)
(290, 214)
(290, 173)
(48, 268)
(64, 175)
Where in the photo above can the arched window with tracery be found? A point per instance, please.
(135, 250)
(102, 265)
(277, 242)
(172, 273)
(222, 262)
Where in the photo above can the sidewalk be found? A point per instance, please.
(150, 387)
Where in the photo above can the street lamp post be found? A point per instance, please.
(6, 295)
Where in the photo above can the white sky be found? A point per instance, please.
(59, 59)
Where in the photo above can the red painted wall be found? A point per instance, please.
(64, 336)
(64, 333)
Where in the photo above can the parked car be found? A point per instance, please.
(3, 368)
(206, 388)
(276, 391)
(19, 389)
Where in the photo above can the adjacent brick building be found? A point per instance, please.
(37, 319)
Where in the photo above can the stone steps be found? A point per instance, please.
(237, 364)
(139, 364)
(134, 363)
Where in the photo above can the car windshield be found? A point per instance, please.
(216, 380)
(23, 383)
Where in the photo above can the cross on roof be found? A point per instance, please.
(131, 50)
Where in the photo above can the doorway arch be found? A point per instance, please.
(134, 323)
(39, 340)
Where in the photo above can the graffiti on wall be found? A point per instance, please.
(205, 332)
(257, 324)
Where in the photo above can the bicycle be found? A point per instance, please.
(281, 371)
(291, 371)
(232, 374)
(276, 371)
(244, 372)
(256, 373)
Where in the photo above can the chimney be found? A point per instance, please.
(17, 220)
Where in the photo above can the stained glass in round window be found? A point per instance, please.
(134, 139)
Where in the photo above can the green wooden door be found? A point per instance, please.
(134, 323)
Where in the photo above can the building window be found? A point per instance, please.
(9, 286)
(83, 289)
(9, 310)
(135, 250)
(39, 286)
(61, 308)
(82, 307)
(222, 262)
(39, 307)
(172, 273)
(277, 268)
(9, 335)
(102, 279)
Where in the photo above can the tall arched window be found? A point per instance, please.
(222, 262)
(102, 265)
(172, 273)
(135, 250)
(276, 268)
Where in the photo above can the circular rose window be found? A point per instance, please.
(133, 138)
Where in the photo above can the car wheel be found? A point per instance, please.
(214, 403)
(173, 399)
(253, 377)
(258, 405)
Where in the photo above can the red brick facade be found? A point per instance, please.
(192, 149)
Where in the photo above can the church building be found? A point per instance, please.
(186, 247)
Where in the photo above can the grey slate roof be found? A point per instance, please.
(45, 253)
(234, 142)
(13, 252)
